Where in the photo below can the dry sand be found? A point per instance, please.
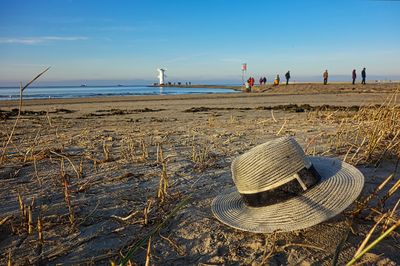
(112, 144)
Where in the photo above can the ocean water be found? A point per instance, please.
(92, 91)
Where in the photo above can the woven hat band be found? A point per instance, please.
(304, 179)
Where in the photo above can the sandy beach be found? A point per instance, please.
(99, 174)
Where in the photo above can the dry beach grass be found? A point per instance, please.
(115, 180)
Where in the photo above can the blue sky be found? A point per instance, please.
(107, 42)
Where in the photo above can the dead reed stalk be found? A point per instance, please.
(148, 252)
(390, 193)
(70, 162)
(106, 152)
(159, 153)
(374, 243)
(282, 127)
(40, 230)
(362, 205)
(178, 249)
(137, 245)
(5, 219)
(368, 236)
(67, 198)
(146, 211)
(30, 220)
(266, 255)
(9, 263)
(145, 151)
(163, 184)
(81, 167)
(21, 204)
(21, 90)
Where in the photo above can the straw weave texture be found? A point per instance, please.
(268, 165)
(340, 185)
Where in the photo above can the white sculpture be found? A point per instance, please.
(161, 75)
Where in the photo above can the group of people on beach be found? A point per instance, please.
(363, 76)
(277, 80)
(325, 75)
(263, 80)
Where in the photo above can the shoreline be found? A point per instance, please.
(257, 91)
(271, 94)
(370, 97)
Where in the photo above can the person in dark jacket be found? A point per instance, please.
(287, 76)
(363, 75)
(325, 76)
(354, 76)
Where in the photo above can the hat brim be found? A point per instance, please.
(340, 185)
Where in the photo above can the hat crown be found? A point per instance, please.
(268, 165)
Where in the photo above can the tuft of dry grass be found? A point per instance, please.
(134, 150)
(371, 134)
(201, 154)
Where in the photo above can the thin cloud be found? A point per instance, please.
(38, 40)
(119, 28)
(185, 58)
(231, 60)
(72, 20)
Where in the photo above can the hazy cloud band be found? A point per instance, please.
(37, 40)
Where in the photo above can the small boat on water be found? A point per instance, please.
(83, 85)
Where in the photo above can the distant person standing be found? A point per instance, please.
(261, 81)
(287, 76)
(325, 76)
(247, 84)
(277, 80)
(363, 75)
(251, 83)
(354, 76)
(264, 80)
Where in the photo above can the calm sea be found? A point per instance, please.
(89, 91)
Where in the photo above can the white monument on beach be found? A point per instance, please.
(161, 75)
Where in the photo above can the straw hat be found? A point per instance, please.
(281, 189)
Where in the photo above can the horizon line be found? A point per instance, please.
(198, 84)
